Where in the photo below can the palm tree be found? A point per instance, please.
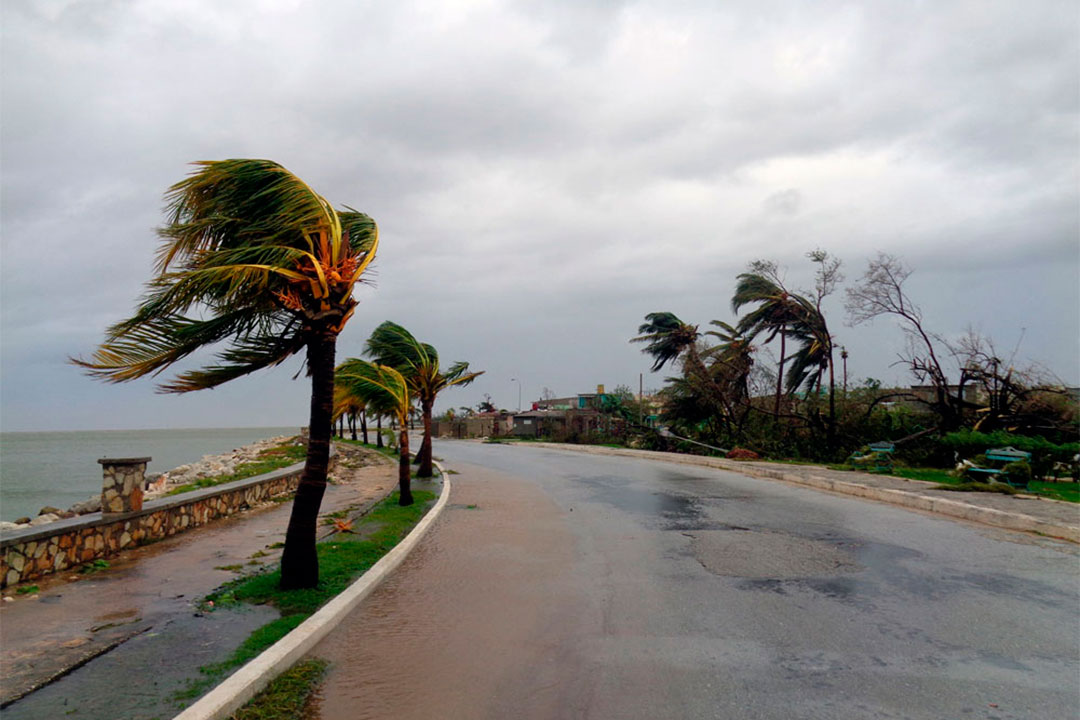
(776, 313)
(667, 336)
(348, 404)
(386, 390)
(253, 257)
(732, 361)
(392, 345)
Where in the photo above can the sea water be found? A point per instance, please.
(61, 468)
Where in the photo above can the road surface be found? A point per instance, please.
(561, 585)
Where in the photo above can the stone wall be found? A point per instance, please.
(62, 545)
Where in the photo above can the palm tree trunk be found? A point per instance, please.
(299, 561)
(378, 431)
(426, 470)
(780, 373)
(352, 426)
(404, 469)
(363, 425)
(831, 437)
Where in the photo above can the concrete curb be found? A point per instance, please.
(225, 699)
(903, 498)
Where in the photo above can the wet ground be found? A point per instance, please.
(119, 642)
(568, 586)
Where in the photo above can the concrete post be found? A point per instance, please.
(122, 484)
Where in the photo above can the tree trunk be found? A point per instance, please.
(831, 436)
(378, 431)
(780, 373)
(404, 469)
(363, 425)
(299, 561)
(352, 426)
(426, 470)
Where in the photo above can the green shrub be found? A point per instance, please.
(1018, 473)
(1043, 452)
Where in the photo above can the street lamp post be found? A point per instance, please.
(519, 391)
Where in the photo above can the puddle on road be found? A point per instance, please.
(675, 511)
(769, 555)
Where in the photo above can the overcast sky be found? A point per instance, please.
(543, 174)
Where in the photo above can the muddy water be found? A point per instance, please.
(487, 593)
(142, 608)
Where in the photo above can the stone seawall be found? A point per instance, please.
(65, 544)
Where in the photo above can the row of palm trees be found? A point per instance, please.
(718, 376)
(253, 258)
(402, 371)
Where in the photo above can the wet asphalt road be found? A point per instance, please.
(561, 585)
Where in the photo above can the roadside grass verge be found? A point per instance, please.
(286, 696)
(268, 460)
(385, 449)
(343, 558)
(1066, 491)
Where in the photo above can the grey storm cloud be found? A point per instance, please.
(543, 173)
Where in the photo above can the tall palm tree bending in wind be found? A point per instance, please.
(252, 257)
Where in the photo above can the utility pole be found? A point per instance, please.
(519, 391)
(641, 399)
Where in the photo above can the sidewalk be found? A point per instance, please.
(1025, 513)
(131, 633)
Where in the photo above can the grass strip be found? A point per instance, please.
(342, 559)
(1064, 491)
(268, 460)
(286, 697)
(385, 449)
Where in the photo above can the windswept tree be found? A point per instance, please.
(348, 405)
(254, 258)
(667, 336)
(779, 312)
(392, 345)
(386, 390)
(732, 361)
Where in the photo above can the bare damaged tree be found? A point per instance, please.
(880, 291)
(1016, 398)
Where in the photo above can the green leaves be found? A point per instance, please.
(667, 337)
(251, 256)
(392, 345)
(379, 386)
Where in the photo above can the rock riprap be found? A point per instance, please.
(157, 486)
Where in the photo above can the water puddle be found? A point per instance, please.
(770, 555)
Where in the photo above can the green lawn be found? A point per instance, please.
(268, 460)
(1066, 490)
(385, 449)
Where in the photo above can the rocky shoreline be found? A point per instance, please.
(159, 485)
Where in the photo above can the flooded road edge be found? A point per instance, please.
(248, 681)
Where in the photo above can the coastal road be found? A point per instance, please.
(563, 585)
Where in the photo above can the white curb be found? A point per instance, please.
(221, 702)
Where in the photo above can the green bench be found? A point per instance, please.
(1004, 456)
(878, 457)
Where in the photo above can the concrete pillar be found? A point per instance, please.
(122, 484)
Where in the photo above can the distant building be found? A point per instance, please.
(490, 424)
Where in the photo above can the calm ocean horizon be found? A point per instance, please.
(61, 468)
